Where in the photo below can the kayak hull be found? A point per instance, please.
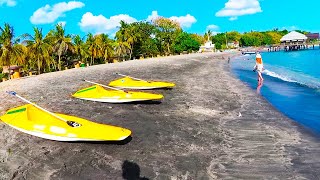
(99, 94)
(143, 87)
(108, 100)
(130, 83)
(56, 138)
(33, 121)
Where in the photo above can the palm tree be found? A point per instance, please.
(121, 48)
(208, 35)
(105, 46)
(39, 48)
(80, 48)
(126, 35)
(92, 47)
(11, 50)
(61, 42)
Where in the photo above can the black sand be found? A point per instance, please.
(196, 132)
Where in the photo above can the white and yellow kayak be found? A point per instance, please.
(34, 121)
(98, 93)
(131, 83)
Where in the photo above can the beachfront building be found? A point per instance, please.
(313, 36)
(233, 44)
(207, 47)
(13, 71)
(294, 41)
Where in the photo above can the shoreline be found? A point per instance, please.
(291, 93)
(211, 126)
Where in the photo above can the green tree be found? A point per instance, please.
(282, 33)
(185, 42)
(126, 35)
(121, 49)
(200, 39)
(271, 37)
(80, 48)
(105, 47)
(61, 42)
(39, 48)
(11, 51)
(219, 40)
(233, 36)
(145, 43)
(251, 39)
(303, 32)
(93, 48)
(167, 31)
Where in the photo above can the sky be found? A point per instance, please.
(84, 16)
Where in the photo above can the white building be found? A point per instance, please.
(207, 47)
(293, 38)
(294, 41)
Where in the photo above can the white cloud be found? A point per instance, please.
(213, 27)
(63, 23)
(48, 14)
(235, 8)
(154, 15)
(101, 24)
(10, 3)
(184, 21)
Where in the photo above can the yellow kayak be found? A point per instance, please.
(130, 83)
(98, 93)
(34, 121)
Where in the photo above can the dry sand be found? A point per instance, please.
(195, 133)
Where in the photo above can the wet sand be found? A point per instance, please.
(210, 126)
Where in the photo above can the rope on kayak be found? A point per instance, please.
(131, 77)
(70, 123)
(105, 86)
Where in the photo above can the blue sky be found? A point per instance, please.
(83, 16)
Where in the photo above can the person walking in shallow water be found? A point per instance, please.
(259, 66)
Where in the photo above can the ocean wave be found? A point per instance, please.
(293, 77)
(279, 76)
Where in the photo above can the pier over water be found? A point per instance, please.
(296, 41)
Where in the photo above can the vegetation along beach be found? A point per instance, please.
(87, 91)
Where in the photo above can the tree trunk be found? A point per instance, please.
(9, 76)
(39, 66)
(91, 58)
(59, 63)
(131, 51)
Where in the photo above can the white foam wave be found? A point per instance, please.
(298, 78)
(274, 74)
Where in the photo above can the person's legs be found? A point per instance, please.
(260, 76)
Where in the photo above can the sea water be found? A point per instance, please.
(291, 83)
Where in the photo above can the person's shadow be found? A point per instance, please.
(131, 171)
